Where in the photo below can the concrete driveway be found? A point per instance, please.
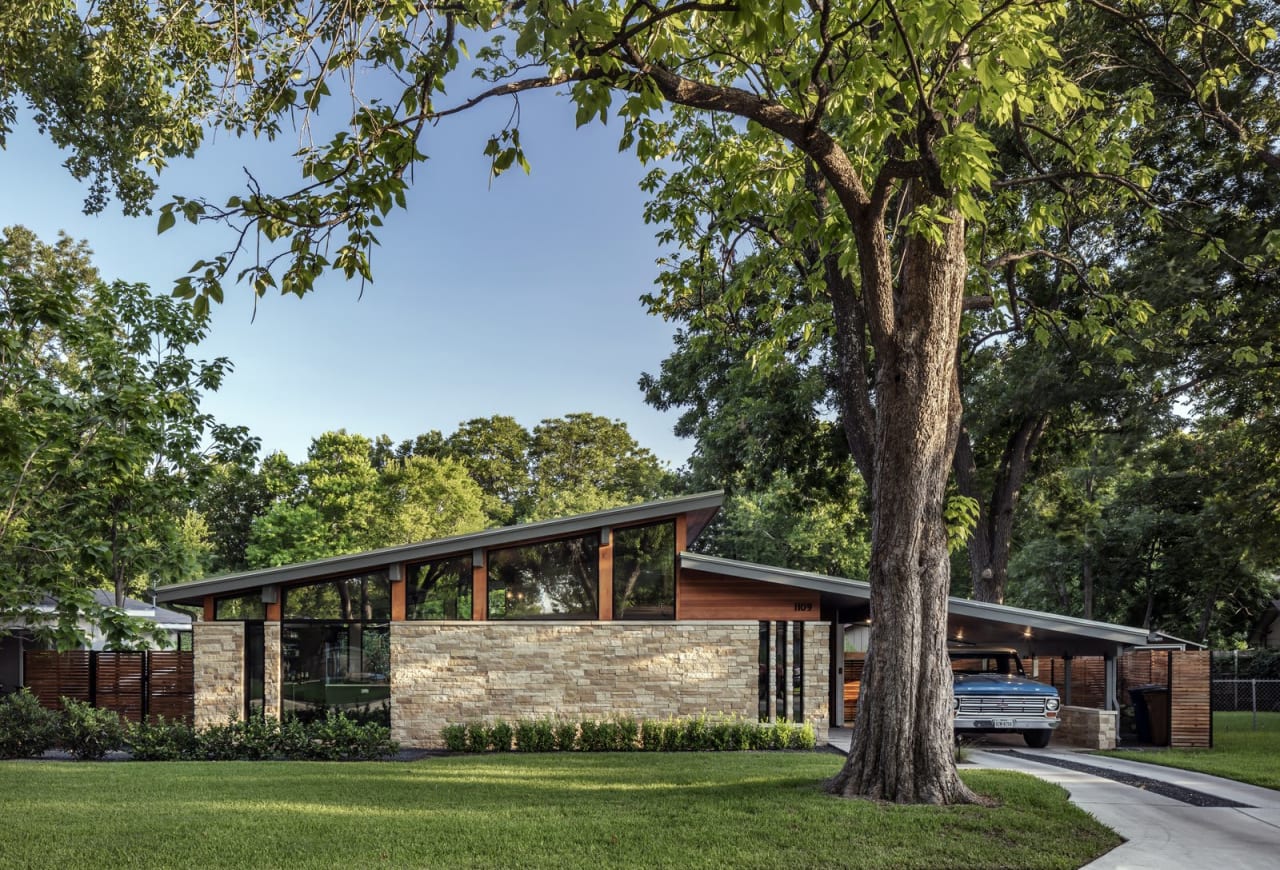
(1162, 832)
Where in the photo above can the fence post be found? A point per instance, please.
(1253, 684)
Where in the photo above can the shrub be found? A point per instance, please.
(628, 735)
(455, 738)
(650, 735)
(26, 728)
(500, 736)
(89, 732)
(566, 735)
(535, 735)
(802, 737)
(162, 740)
(589, 739)
(477, 737)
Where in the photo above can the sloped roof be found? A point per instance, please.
(699, 508)
(1033, 631)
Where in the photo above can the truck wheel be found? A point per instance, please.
(1037, 739)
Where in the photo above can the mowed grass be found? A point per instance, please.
(1239, 752)
(612, 810)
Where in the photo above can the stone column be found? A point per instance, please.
(218, 666)
(271, 667)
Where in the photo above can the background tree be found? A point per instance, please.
(103, 437)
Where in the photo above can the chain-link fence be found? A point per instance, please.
(1258, 696)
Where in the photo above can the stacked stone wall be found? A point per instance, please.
(219, 671)
(445, 673)
(1088, 727)
(271, 697)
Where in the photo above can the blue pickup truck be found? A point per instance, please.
(993, 695)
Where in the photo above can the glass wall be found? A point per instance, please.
(241, 607)
(644, 572)
(551, 580)
(439, 590)
(367, 597)
(336, 666)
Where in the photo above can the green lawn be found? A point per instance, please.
(695, 809)
(1238, 752)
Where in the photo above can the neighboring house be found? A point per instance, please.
(18, 637)
(1266, 634)
(598, 615)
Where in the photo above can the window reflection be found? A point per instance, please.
(644, 572)
(366, 597)
(341, 667)
(439, 590)
(551, 579)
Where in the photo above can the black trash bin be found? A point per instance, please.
(1142, 713)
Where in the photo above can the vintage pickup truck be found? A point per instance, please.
(993, 695)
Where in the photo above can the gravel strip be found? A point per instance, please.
(1156, 786)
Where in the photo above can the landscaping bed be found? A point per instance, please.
(1239, 752)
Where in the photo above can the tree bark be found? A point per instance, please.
(903, 747)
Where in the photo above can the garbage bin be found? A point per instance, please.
(1157, 698)
(1141, 715)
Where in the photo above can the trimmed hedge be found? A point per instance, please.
(87, 732)
(694, 734)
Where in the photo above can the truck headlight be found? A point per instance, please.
(1051, 704)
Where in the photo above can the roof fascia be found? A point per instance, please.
(525, 533)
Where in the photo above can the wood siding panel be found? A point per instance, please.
(1191, 711)
(119, 683)
(708, 596)
(853, 664)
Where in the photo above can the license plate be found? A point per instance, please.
(1001, 723)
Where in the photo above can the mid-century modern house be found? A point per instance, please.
(598, 615)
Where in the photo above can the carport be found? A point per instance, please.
(1080, 656)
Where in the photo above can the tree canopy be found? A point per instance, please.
(102, 438)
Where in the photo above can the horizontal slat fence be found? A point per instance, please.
(136, 685)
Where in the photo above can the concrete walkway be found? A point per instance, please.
(1161, 833)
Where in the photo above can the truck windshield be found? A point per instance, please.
(988, 663)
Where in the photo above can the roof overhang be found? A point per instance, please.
(1033, 632)
(699, 509)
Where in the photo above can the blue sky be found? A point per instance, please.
(519, 297)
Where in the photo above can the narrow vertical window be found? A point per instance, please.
(797, 672)
(254, 669)
(780, 672)
(763, 679)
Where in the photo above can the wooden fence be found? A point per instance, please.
(136, 685)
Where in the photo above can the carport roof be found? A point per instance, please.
(1033, 632)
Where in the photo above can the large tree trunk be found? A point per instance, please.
(992, 541)
(903, 747)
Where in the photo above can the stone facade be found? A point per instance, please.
(1087, 727)
(271, 700)
(445, 673)
(219, 671)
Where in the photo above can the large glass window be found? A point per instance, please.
(336, 666)
(439, 589)
(241, 607)
(367, 597)
(555, 579)
(644, 572)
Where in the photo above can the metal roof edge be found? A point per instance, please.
(963, 606)
(503, 535)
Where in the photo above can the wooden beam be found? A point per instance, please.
(210, 609)
(398, 594)
(682, 541)
(479, 585)
(273, 611)
(605, 603)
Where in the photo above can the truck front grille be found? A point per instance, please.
(1000, 705)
